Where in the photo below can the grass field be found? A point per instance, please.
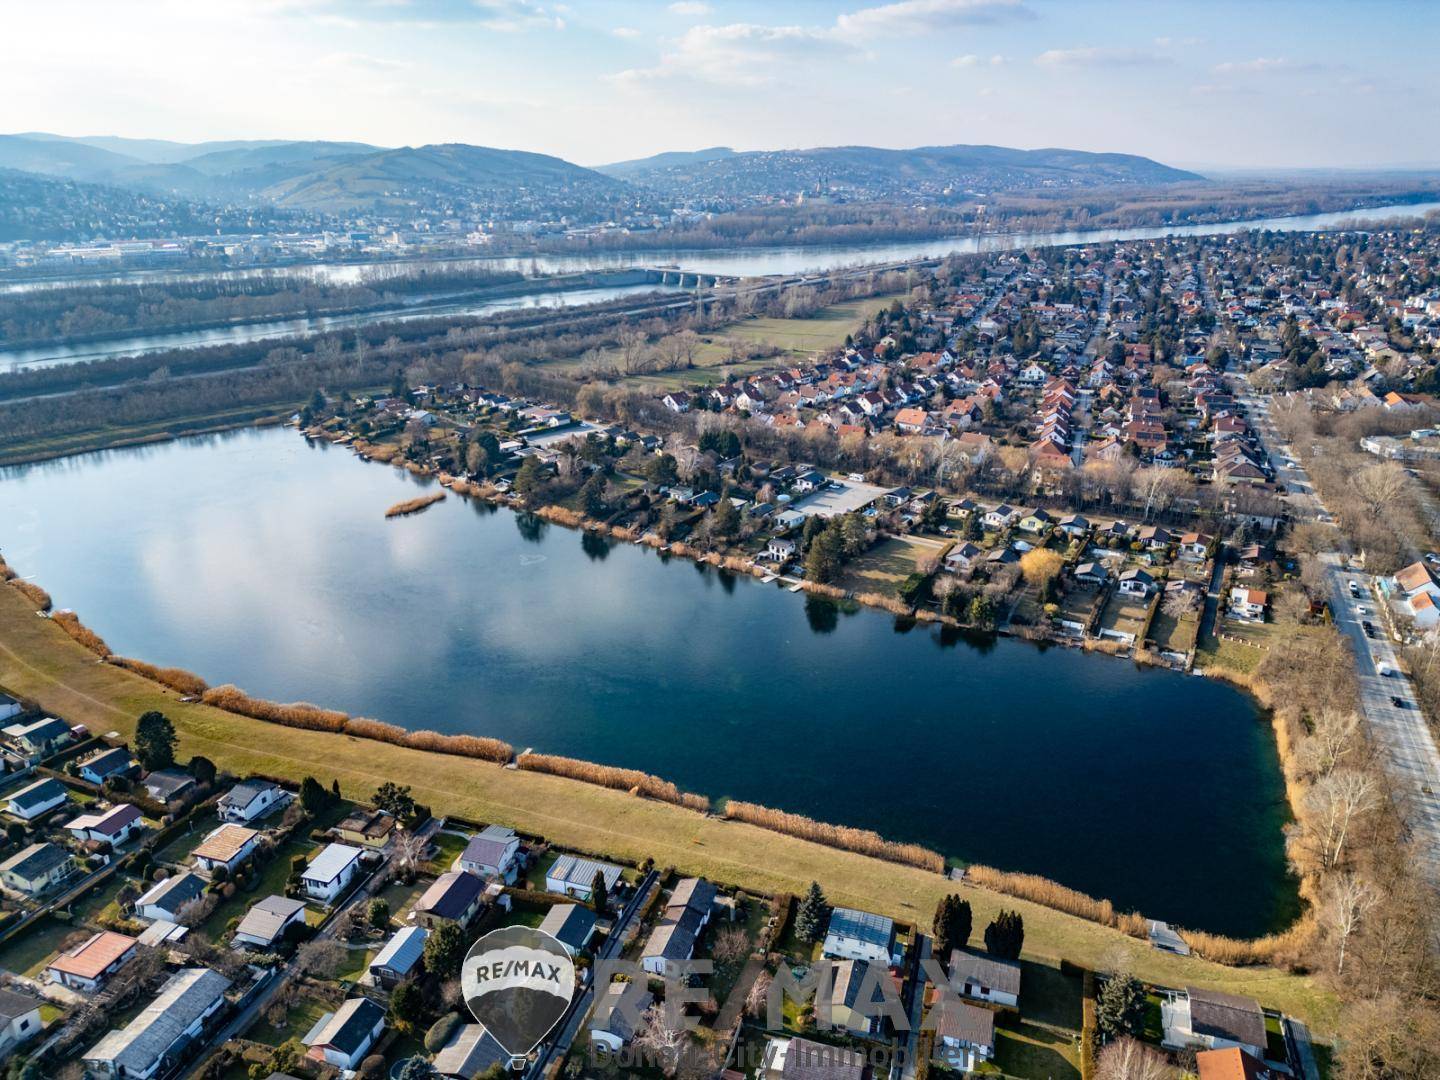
(40, 662)
(887, 564)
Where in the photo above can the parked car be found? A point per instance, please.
(1369, 629)
(1397, 701)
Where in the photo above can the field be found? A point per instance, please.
(39, 661)
(1124, 615)
(887, 564)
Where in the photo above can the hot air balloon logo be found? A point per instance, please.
(518, 982)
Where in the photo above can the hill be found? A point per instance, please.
(870, 172)
(671, 159)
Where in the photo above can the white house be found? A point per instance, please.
(227, 847)
(86, 966)
(1136, 582)
(1211, 1020)
(19, 1018)
(493, 852)
(342, 1038)
(38, 798)
(250, 800)
(1248, 604)
(985, 978)
(267, 920)
(163, 900)
(113, 826)
(9, 709)
(330, 872)
(610, 1024)
(965, 1034)
(151, 1044)
(860, 935)
(571, 875)
(687, 913)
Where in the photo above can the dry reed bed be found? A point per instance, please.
(177, 679)
(892, 604)
(1052, 894)
(32, 592)
(414, 506)
(611, 776)
(71, 624)
(862, 841)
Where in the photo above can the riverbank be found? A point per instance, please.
(123, 435)
(40, 662)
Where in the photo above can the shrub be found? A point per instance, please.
(177, 679)
(71, 624)
(414, 506)
(440, 1031)
(862, 841)
(297, 715)
(1042, 890)
(34, 593)
(611, 776)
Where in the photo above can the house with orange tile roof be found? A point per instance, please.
(86, 966)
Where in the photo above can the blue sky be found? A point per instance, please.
(1267, 83)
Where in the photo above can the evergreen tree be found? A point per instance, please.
(155, 741)
(1120, 1007)
(599, 894)
(982, 612)
(973, 529)
(1005, 936)
(952, 925)
(822, 561)
(592, 496)
(445, 950)
(724, 520)
(812, 915)
(530, 476)
(313, 796)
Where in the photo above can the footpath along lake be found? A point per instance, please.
(260, 559)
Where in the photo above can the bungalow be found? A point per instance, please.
(612, 1024)
(860, 935)
(38, 798)
(267, 921)
(36, 868)
(19, 1019)
(494, 852)
(1073, 525)
(226, 848)
(1211, 1020)
(677, 401)
(811, 480)
(471, 1051)
(167, 786)
(1136, 582)
(114, 826)
(962, 555)
(252, 799)
(164, 900)
(801, 1059)
(975, 975)
(455, 896)
(1092, 573)
(103, 764)
(330, 872)
(342, 1038)
(1248, 604)
(847, 1011)
(679, 928)
(398, 958)
(151, 1044)
(1195, 546)
(40, 738)
(1034, 521)
(1154, 537)
(965, 1033)
(571, 925)
(368, 828)
(9, 709)
(1233, 1063)
(571, 875)
(1001, 556)
(1002, 517)
(86, 966)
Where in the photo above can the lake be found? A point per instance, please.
(260, 559)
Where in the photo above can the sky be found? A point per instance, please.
(1213, 84)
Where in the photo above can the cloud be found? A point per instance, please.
(1184, 42)
(970, 60)
(746, 54)
(910, 18)
(1265, 65)
(627, 32)
(692, 8)
(503, 16)
(1097, 57)
(359, 62)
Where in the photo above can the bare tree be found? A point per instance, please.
(632, 350)
(1379, 487)
(321, 959)
(758, 997)
(1333, 738)
(661, 1040)
(1337, 801)
(1128, 1059)
(732, 946)
(1157, 488)
(1348, 899)
(409, 851)
(1180, 603)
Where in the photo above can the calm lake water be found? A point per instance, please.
(260, 559)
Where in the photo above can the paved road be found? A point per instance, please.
(904, 1066)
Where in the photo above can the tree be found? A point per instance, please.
(529, 477)
(1348, 900)
(1127, 1059)
(407, 1006)
(758, 998)
(417, 1068)
(657, 1036)
(378, 913)
(322, 958)
(394, 800)
(1120, 1006)
(952, 925)
(724, 520)
(313, 796)
(1337, 802)
(812, 915)
(1040, 566)
(445, 951)
(732, 946)
(1379, 487)
(822, 560)
(202, 769)
(1005, 936)
(592, 496)
(599, 894)
(155, 741)
(661, 470)
(982, 612)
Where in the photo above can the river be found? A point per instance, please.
(790, 259)
(260, 559)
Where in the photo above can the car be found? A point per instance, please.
(1354, 589)
(1397, 701)
(1369, 629)
(1362, 609)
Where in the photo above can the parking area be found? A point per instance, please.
(841, 497)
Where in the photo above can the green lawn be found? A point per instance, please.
(301, 1017)
(886, 565)
(448, 847)
(1036, 1053)
(177, 850)
(357, 962)
(270, 882)
(31, 949)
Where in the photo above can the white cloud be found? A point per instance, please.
(970, 60)
(1264, 65)
(745, 54)
(1097, 57)
(909, 18)
(691, 8)
(627, 32)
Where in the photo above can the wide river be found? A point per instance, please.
(260, 559)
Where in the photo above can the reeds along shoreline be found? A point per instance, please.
(862, 841)
(611, 776)
(177, 679)
(71, 624)
(414, 506)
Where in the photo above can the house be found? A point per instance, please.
(962, 555)
(267, 920)
(975, 975)
(455, 896)
(89, 964)
(38, 798)
(343, 1038)
(40, 738)
(168, 786)
(100, 766)
(494, 852)
(19, 1019)
(398, 958)
(470, 1051)
(1092, 573)
(225, 849)
(1248, 604)
(1034, 521)
(330, 872)
(114, 826)
(860, 935)
(610, 1025)
(801, 1059)
(849, 979)
(252, 799)
(1211, 1020)
(368, 828)
(571, 875)
(571, 925)
(687, 912)
(9, 709)
(780, 550)
(164, 900)
(36, 868)
(1233, 1063)
(1001, 517)
(152, 1043)
(965, 1034)
(677, 401)
(1195, 546)
(1136, 582)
